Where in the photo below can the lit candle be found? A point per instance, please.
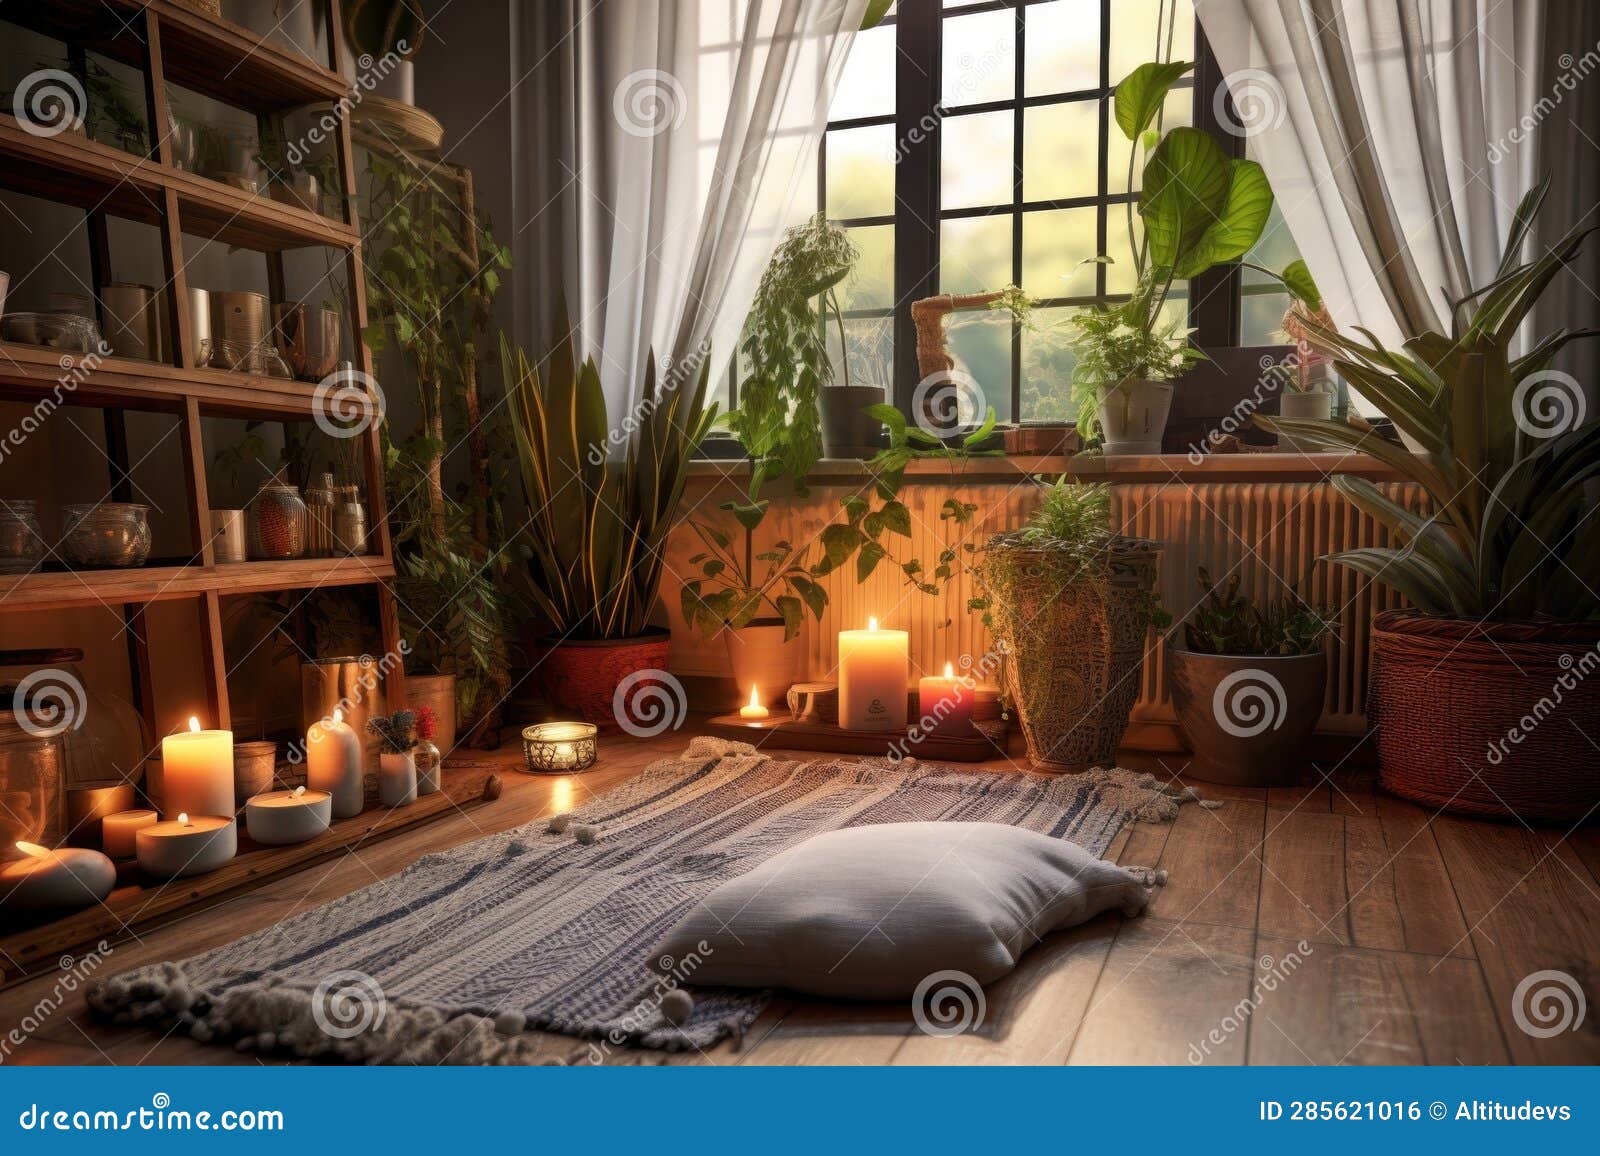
(333, 764)
(280, 817)
(197, 772)
(555, 747)
(61, 880)
(117, 832)
(185, 846)
(945, 704)
(754, 711)
(873, 667)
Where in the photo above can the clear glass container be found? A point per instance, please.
(21, 544)
(106, 534)
(277, 518)
(31, 808)
(349, 523)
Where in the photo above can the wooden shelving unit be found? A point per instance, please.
(170, 43)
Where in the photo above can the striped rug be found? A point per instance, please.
(459, 957)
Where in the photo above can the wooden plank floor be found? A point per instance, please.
(1323, 924)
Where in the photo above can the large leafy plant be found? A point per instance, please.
(1226, 622)
(598, 523)
(1506, 495)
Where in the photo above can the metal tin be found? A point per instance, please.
(240, 319)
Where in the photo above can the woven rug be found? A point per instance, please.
(462, 955)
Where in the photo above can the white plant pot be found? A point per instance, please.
(397, 779)
(1133, 416)
(1312, 404)
(760, 658)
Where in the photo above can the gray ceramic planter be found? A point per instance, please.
(1247, 717)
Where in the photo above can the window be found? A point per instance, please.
(971, 145)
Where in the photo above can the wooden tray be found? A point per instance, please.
(785, 731)
(135, 907)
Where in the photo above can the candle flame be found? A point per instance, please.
(183, 817)
(32, 849)
(194, 723)
(298, 791)
(338, 716)
(949, 671)
(872, 624)
(755, 698)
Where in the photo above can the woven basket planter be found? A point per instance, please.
(1074, 647)
(581, 677)
(1488, 718)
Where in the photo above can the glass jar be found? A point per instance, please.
(21, 543)
(31, 808)
(277, 519)
(429, 762)
(349, 523)
(103, 739)
(319, 508)
(106, 533)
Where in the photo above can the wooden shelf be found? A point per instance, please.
(74, 170)
(214, 57)
(57, 589)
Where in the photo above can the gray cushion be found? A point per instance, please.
(869, 912)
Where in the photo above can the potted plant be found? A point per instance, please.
(1304, 388)
(1248, 684)
(1500, 570)
(1199, 208)
(397, 771)
(598, 526)
(1070, 603)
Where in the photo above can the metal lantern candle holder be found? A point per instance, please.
(557, 748)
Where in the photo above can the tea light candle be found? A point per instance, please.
(945, 703)
(333, 764)
(754, 711)
(185, 846)
(281, 817)
(117, 832)
(62, 880)
(197, 772)
(554, 747)
(873, 667)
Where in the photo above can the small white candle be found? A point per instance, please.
(944, 704)
(118, 832)
(197, 772)
(187, 846)
(62, 880)
(280, 817)
(754, 711)
(873, 667)
(397, 779)
(333, 764)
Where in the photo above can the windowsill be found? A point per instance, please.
(1275, 467)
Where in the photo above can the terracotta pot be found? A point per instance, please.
(1488, 718)
(439, 692)
(1133, 416)
(1247, 717)
(847, 432)
(580, 677)
(762, 659)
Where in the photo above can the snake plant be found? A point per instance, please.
(598, 524)
(1504, 535)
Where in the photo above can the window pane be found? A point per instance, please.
(980, 342)
(867, 86)
(1063, 47)
(1177, 109)
(1054, 243)
(975, 254)
(975, 160)
(1061, 151)
(1261, 318)
(861, 172)
(979, 58)
(1135, 39)
(871, 344)
(871, 284)
(1047, 367)
(1121, 274)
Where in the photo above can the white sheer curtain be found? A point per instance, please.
(670, 138)
(1392, 132)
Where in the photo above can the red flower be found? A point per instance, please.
(427, 722)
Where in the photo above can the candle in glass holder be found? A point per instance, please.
(118, 832)
(334, 764)
(62, 880)
(754, 711)
(873, 667)
(197, 772)
(945, 704)
(186, 846)
(281, 817)
(557, 747)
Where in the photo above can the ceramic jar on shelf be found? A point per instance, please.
(277, 519)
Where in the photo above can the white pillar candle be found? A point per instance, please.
(187, 846)
(280, 817)
(62, 880)
(397, 779)
(873, 667)
(117, 832)
(333, 764)
(944, 704)
(197, 772)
